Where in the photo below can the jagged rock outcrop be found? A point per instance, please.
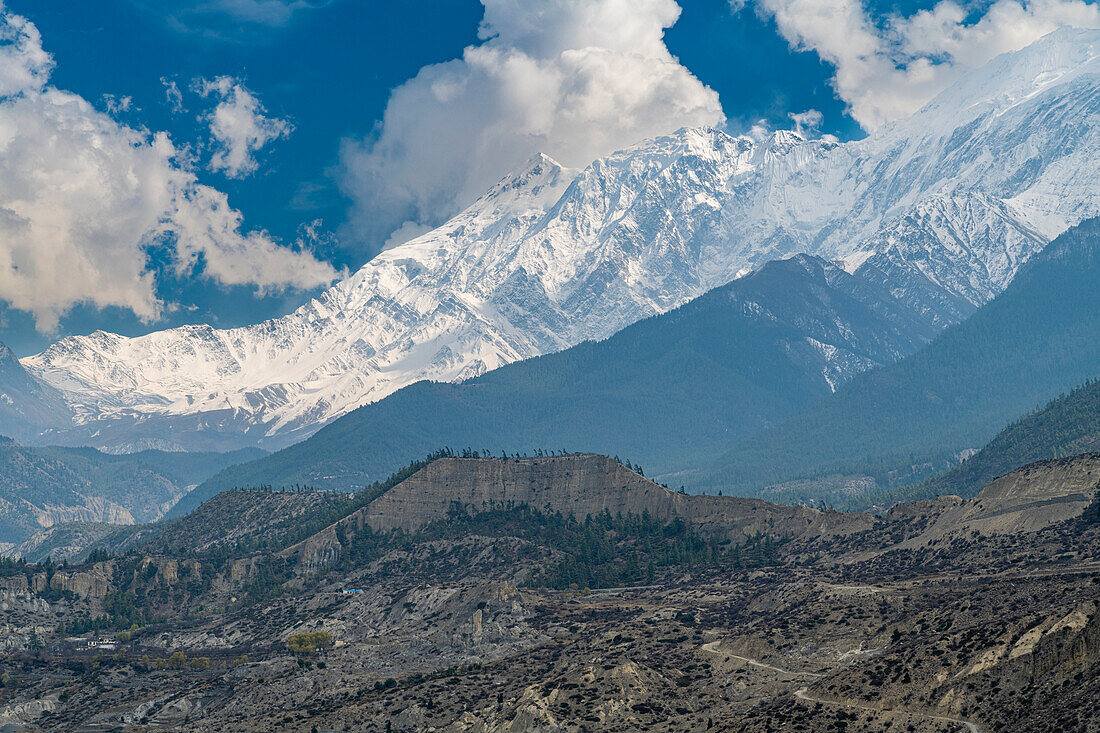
(20, 714)
(91, 583)
(16, 595)
(94, 509)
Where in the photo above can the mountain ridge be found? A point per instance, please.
(633, 234)
(911, 420)
(730, 362)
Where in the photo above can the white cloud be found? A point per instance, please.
(172, 95)
(267, 12)
(575, 79)
(406, 232)
(238, 126)
(890, 71)
(116, 104)
(24, 64)
(806, 123)
(760, 131)
(83, 199)
(187, 15)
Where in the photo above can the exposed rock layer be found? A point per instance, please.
(579, 485)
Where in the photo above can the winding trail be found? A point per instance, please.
(712, 648)
(802, 693)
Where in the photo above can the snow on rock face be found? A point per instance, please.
(947, 255)
(940, 209)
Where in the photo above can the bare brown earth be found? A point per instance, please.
(942, 616)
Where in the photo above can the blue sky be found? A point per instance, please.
(325, 70)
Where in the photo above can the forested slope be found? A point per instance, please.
(1067, 426)
(904, 422)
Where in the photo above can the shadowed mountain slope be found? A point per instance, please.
(906, 421)
(671, 390)
(40, 487)
(27, 405)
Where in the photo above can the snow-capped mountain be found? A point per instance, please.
(941, 208)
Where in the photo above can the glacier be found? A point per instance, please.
(941, 208)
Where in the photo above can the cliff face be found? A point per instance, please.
(1028, 499)
(578, 485)
(1044, 480)
(92, 583)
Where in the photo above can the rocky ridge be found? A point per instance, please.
(579, 485)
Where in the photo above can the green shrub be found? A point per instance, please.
(308, 642)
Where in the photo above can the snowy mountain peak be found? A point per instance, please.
(702, 144)
(940, 210)
(782, 141)
(538, 179)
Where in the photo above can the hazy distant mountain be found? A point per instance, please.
(27, 406)
(901, 423)
(41, 487)
(942, 206)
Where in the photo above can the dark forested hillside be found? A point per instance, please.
(1067, 426)
(906, 421)
(670, 390)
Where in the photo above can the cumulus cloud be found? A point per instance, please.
(238, 125)
(24, 64)
(574, 79)
(888, 70)
(83, 200)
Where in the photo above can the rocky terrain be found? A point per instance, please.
(445, 602)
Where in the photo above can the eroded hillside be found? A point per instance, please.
(451, 600)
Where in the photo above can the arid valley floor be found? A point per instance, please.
(942, 615)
